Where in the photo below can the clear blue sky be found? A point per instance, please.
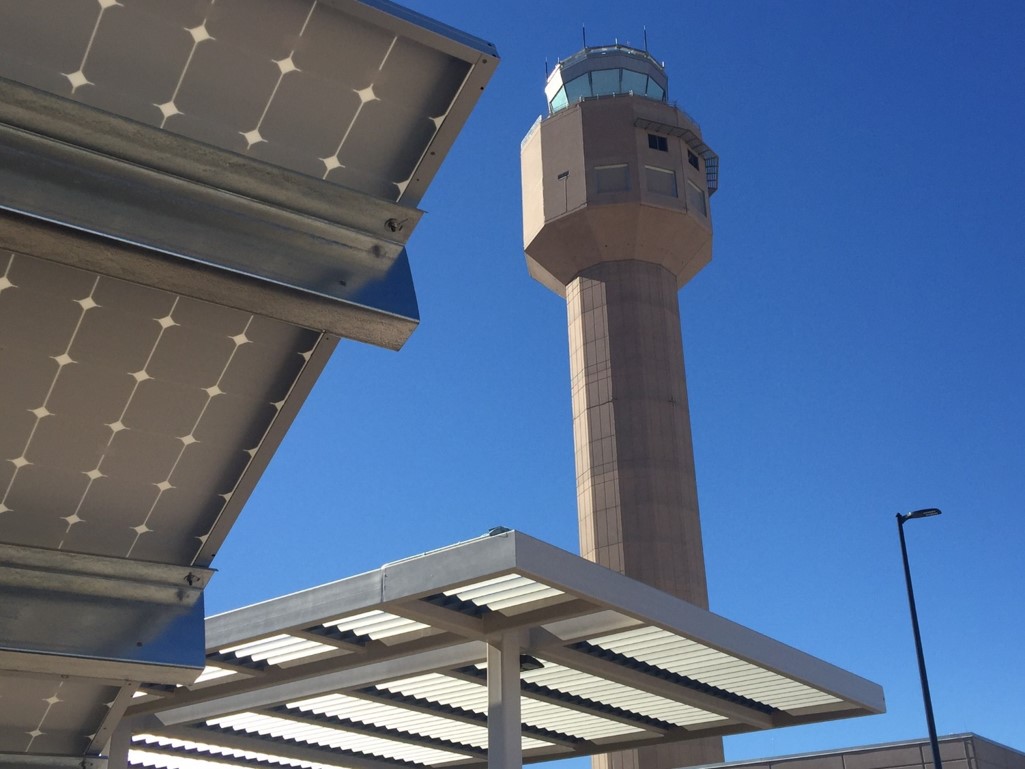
(856, 348)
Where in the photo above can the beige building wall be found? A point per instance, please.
(960, 751)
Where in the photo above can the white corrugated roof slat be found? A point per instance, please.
(484, 586)
(754, 682)
(211, 673)
(274, 726)
(395, 717)
(140, 742)
(474, 697)
(510, 590)
(591, 687)
(291, 647)
(655, 646)
(376, 624)
(248, 648)
(277, 649)
(542, 593)
(543, 715)
(145, 758)
(301, 654)
(356, 620)
(443, 689)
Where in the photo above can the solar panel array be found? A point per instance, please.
(197, 201)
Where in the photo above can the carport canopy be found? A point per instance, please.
(491, 652)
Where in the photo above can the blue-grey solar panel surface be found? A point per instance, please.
(197, 200)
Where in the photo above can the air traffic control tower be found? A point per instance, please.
(616, 218)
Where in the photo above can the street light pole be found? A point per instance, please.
(933, 741)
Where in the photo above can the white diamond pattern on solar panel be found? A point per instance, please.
(688, 658)
(119, 429)
(53, 716)
(50, 701)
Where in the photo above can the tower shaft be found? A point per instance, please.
(636, 493)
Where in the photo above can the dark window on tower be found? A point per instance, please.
(693, 160)
(659, 143)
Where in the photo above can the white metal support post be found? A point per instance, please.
(120, 742)
(504, 703)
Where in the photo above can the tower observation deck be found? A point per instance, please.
(616, 219)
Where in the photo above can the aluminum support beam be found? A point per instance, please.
(120, 742)
(504, 719)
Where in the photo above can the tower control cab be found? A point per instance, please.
(614, 172)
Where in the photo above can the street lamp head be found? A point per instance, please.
(925, 513)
